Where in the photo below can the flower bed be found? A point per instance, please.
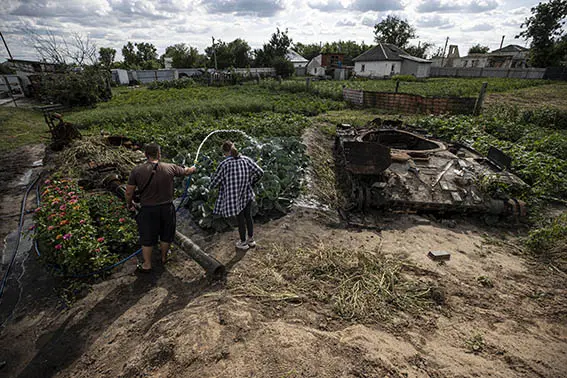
(80, 233)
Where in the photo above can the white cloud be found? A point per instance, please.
(480, 27)
(467, 6)
(345, 23)
(165, 22)
(376, 6)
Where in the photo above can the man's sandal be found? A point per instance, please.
(140, 268)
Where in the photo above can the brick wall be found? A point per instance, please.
(409, 103)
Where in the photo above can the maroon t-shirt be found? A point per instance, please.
(160, 189)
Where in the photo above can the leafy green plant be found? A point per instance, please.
(475, 343)
(551, 234)
(283, 161)
(177, 84)
(404, 78)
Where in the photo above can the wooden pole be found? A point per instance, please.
(444, 49)
(480, 99)
(10, 91)
(397, 85)
(5, 44)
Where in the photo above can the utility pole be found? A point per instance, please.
(502, 41)
(214, 52)
(444, 49)
(5, 44)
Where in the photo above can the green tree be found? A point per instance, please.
(283, 67)
(184, 56)
(240, 51)
(308, 51)
(478, 49)
(350, 49)
(147, 56)
(129, 54)
(277, 47)
(106, 56)
(394, 30)
(140, 56)
(419, 51)
(545, 29)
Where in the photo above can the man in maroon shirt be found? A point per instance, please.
(156, 218)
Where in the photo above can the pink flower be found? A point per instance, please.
(67, 236)
(73, 201)
(70, 193)
(47, 182)
(32, 227)
(38, 209)
(58, 246)
(97, 250)
(62, 207)
(121, 220)
(82, 221)
(100, 240)
(50, 228)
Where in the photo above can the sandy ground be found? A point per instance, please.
(175, 323)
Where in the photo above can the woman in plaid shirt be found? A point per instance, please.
(235, 177)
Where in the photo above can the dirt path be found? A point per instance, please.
(175, 321)
(498, 314)
(17, 171)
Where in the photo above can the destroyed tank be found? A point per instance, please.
(388, 166)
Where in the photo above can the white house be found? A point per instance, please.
(297, 60)
(315, 66)
(386, 59)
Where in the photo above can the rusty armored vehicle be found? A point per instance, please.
(388, 166)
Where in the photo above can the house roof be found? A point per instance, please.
(415, 58)
(510, 49)
(387, 52)
(28, 62)
(293, 56)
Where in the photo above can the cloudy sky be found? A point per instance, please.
(110, 23)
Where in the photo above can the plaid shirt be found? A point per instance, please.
(235, 177)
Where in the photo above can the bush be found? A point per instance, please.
(83, 88)
(178, 83)
(404, 78)
(284, 67)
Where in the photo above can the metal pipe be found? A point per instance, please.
(213, 268)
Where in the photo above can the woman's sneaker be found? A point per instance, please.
(242, 245)
(250, 242)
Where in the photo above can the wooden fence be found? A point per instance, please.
(410, 103)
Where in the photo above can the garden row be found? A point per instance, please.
(429, 87)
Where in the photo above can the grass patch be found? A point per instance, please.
(551, 95)
(175, 107)
(549, 241)
(358, 284)
(463, 87)
(19, 127)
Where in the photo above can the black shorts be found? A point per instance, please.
(156, 221)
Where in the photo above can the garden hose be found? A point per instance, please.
(182, 198)
(20, 225)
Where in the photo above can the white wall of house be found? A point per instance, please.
(417, 69)
(314, 67)
(300, 64)
(377, 69)
(471, 62)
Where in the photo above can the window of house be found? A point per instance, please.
(362, 68)
(466, 61)
(392, 70)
